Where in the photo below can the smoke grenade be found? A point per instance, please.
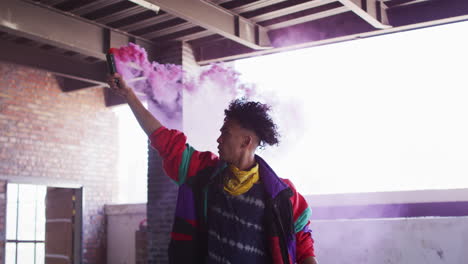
(111, 61)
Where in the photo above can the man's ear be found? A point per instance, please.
(247, 140)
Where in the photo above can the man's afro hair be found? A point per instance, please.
(254, 116)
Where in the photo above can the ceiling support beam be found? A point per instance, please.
(290, 10)
(47, 26)
(424, 11)
(371, 11)
(217, 20)
(71, 85)
(147, 22)
(308, 18)
(169, 30)
(201, 34)
(229, 55)
(55, 63)
(310, 32)
(120, 15)
(255, 5)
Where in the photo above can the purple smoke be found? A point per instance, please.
(163, 84)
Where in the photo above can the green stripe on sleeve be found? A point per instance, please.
(302, 220)
(185, 163)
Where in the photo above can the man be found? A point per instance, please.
(232, 208)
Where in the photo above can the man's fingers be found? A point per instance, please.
(117, 84)
(110, 81)
(117, 76)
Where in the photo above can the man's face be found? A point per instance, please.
(230, 141)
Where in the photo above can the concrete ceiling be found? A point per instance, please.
(62, 36)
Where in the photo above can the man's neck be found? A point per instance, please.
(246, 162)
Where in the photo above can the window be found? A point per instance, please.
(133, 158)
(25, 231)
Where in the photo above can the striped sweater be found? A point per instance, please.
(236, 232)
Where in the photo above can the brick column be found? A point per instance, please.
(3, 202)
(162, 191)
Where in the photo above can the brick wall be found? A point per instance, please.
(141, 245)
(2, 219)
(57, 136)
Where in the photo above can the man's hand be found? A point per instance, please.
(146, 120)
(118, 85)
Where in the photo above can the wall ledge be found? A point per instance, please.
(125, 209)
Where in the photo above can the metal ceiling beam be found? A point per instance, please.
(238, 10)
(217, 20)
(169, 30)
(405, 3)
(312, 17)
(147, 22)
(290, 10)
(423, 11)
(92, 6)
(50, 27)
(120, 15)
(201, 34)
(70, 85)
(52, 2)
(369, 10)
(53, 62)
(255, 5)
(162, 18)
(217, 2)
(33, 22)
(345, 36)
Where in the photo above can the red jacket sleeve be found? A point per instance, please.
(301, 215)
(180, 160)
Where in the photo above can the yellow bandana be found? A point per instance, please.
(241, 181)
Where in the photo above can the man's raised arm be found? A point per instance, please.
(146, 120)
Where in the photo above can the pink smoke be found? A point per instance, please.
(164, 83)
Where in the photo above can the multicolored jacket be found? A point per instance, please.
(286, 210)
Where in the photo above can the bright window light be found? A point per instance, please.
(25, 225)
(387, 113)
(133, 158)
